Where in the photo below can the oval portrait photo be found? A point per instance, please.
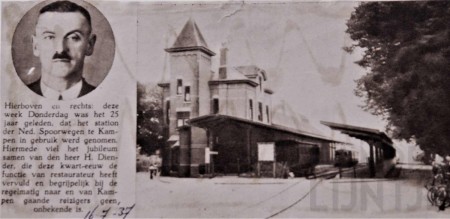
(63, 50)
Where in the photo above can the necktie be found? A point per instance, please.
(60, 97)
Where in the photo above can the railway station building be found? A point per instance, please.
(219, 121)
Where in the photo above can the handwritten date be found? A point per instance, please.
(109, 212)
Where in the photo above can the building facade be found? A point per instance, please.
(217, 121)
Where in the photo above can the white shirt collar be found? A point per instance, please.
(69, 94)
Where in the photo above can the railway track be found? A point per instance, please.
(333, 173)
(294, 187)
(296, 201)
(321, 177)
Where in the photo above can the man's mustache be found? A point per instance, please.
(62, 55)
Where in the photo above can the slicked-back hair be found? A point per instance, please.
(66, 6)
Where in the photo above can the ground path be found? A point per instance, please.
(234, 197)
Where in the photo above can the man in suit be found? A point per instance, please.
(63, 38)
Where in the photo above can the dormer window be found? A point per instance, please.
(179, 86)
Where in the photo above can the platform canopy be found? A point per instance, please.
(217, 121)
(362, 133)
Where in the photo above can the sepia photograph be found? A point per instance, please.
(52, 48)
(293, 110)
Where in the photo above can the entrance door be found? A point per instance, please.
(231, 159)
(175, 162)
(227, 160)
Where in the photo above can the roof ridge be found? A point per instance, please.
(190, 38)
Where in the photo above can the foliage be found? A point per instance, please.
(406, 52)
(149, 118)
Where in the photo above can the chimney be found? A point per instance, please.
(223, 62)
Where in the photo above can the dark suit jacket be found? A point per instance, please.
(85, 87)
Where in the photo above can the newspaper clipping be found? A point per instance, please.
(68, 98)
(240, 109)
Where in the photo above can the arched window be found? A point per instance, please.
(187, 94)
(260, 111)
(215, 106)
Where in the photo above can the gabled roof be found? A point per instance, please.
(282, 113)
(233, 77)
(232, 74)
(240, 74)
(251, 71)
(190, 38)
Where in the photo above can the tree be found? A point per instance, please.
(406, 53)
(149, 123)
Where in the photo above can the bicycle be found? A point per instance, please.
(439, 188)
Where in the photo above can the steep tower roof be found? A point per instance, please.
(190, 38)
